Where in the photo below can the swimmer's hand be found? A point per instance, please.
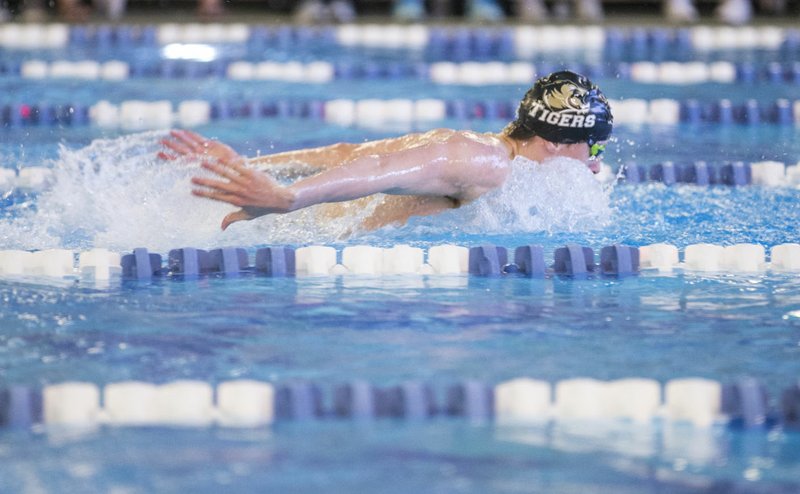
(253, 191)
(188, 143)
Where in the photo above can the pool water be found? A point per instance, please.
(111, 191)
(443, 456)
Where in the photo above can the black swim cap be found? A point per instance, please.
(563, 107)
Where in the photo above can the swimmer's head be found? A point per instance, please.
(563, 107)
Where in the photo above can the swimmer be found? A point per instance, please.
(563, 114)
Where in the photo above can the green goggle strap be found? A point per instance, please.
(596, 150)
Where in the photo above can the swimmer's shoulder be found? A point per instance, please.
(482, 142)
(445, 134)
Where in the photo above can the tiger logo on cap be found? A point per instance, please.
(561, 96)
(563, 107)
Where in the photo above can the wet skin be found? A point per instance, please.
(421, 174)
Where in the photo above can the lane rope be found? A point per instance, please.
(571, 260)
(701, 403)
(378, 113)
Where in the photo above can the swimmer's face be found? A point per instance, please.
(581, 151)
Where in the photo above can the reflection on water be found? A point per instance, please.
(680, 453)
(433, 456)
(404, 327)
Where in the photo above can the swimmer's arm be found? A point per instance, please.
(334, 155)
(185, 143)
(459, 166)
(290, 164)
(441, 169)
(182, 142)
(319, 158)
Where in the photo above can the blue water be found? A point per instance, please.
(444, 456)
(439, 330)
(405, 328)
(391, 329)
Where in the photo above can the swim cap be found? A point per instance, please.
(563, 107)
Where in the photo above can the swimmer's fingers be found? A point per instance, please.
(187, 142)
(177, 146)
(188, 136)
(166, 156)
(228, 198)
(238, 165)
(233, 172)
(217, 185)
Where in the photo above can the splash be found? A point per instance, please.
(558, 195)
(116, 194)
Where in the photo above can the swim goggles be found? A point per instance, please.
(596, 150)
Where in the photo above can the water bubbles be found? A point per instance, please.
(117, 194)
(560, 194)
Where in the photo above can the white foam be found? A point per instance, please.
(560, 194)
(116, 194)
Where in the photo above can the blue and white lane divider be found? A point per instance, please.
(702, 403)
(472, 73)
(737, 173)
(377, 113)
(450, 42)
(101, 265)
